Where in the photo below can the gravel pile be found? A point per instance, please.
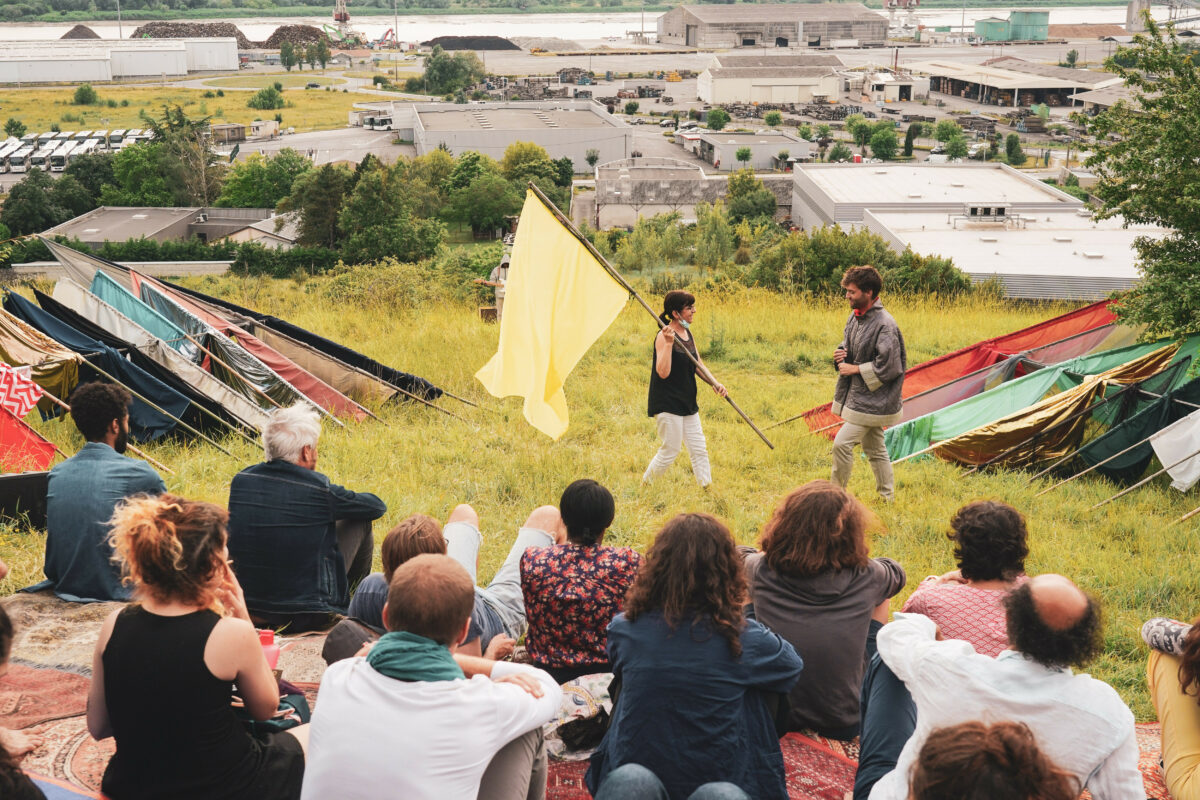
(80, 32)
(191, 30)
(548, 43)
(472, 43)
(296, 34)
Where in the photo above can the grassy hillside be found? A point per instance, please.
(772, 352)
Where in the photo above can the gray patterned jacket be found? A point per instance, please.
(872, 397)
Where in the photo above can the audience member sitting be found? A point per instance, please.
(694, 677)
(989, 546)
(415, 719)
(816, 586)
(1174, 678)
(973, 761)
(918, 682)
(498, 618)
(82, 492)
(14, 784)
(164, 665)
(573, 590)
(299, 542)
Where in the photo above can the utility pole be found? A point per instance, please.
(120, 35)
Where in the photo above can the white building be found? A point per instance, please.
(713, 27)
(98, 60)
(993, 221)
(770, 79)
(720, 148)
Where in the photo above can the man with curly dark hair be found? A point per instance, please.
(918, 682)
(82, 492)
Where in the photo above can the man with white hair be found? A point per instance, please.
(298, 542)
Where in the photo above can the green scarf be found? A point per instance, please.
(408, 657)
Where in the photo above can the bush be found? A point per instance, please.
(388, 284)
(111, 103)
(252, 258)
(220, 92)
(267, 98)
(85, 95)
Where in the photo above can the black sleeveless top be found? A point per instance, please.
(177, 736)
(675, 394)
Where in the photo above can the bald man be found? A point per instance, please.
(918, 682)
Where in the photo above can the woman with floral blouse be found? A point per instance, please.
(573, 590)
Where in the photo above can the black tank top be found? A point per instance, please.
(177, 736)
(675, 394)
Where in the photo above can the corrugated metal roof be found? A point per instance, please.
(776, 12)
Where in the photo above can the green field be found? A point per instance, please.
(289, 81)
(772, 352)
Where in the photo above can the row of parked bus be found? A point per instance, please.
(54, 150)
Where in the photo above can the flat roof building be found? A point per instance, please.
(720, 148)
(994, 222)
(95, 60)
(565, 128)
(732, 78)
(121, 223)
(1010, 81)
(710, 27)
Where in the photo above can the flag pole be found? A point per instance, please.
(616, 276)
(1187, 516)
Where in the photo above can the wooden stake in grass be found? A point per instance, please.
(616, 276)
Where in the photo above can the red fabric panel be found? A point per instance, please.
(945, 368)
(22, 449)
(304, 381)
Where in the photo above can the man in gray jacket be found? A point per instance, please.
(870, 362)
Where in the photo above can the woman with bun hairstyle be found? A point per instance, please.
(672, 400)
(164, 666)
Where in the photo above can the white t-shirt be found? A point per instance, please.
(374, 736)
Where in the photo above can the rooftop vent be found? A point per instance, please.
(1083, 212)
(1062, 238)
(958, 184)
(1092, 254)
(140, 216)
(914, 195)
(91, 230)
(988, 239)
(881, 172)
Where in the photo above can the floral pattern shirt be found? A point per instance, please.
(571, 594)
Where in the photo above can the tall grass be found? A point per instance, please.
(773, 354)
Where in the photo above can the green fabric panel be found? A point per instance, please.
(974, 412)
(124, 301)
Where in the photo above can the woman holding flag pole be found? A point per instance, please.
(672, 397)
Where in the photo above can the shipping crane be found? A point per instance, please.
(343, 35)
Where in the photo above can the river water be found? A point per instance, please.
(593, 26)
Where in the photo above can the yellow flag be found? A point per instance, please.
(557, 302)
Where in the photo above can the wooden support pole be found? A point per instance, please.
(131, 448)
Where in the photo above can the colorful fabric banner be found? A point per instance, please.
(18, 393)
(22, 449)
(559, 301)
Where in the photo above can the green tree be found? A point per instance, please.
(30, 206)
(1144, 157)
(718, 118)
(883, 143)
(910, 136)
(423, 180)
(773, 119)
(379, 223)
(1072, 59)
(840, 152)
(957, 148)
(323, 54)
(287, 55)
(93, 171)
(524, 161)
(71, 196)
(805, 131)
(592, 157)
(467, 167)
(564, 171)
(193, 165)
(85, 95)
(140, 178)
(714, 235)
(266, 99)
(1012, 150)
(946, 130)
(744, 154)
(824, 131)
(758, 204)
(261, 182)
(317, 197)
(446, 74)
(742, 182)
(631, 106)
(14, 127)
(310, 55)
(860, 130)
(485, 202)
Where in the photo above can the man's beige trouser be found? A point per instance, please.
(875, 450)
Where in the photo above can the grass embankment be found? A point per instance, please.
(772, 352)
(307, 110)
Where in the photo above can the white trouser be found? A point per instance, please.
(676, 431)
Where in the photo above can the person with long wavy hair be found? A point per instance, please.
(1173, 675)
(815, 584)
(974, 761)
(691, 718)
(164, 666)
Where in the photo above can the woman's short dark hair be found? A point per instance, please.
(587, 509)
(989, 541)
(819, 527)
(676, 300)
(866, 278)
(1029, 634)
(972, 761)
(95, 405)
(693, 573)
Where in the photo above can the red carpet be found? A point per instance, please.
(32, 696)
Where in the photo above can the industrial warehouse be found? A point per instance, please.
(770, 79)
(1009, 81)
(778, 25)
(113, 59)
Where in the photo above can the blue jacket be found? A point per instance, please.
(283, 538)
(81, 494)
(690, 712)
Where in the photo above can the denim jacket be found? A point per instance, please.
(81, 494)
(283, 540)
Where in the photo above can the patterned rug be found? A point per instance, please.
(30, 696)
